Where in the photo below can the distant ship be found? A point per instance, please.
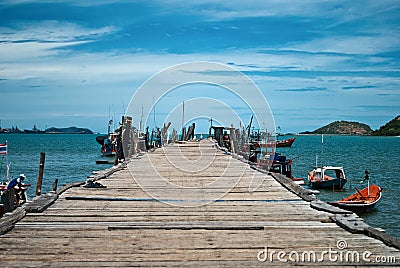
(34, 130)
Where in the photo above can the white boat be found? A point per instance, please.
(327, 177)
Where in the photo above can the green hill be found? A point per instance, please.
(68, 130)
(343, 128)
(392, 128)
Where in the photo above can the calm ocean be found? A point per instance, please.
(380, 155)
(71, 158)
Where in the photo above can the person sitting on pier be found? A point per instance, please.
(19, 188)
(226, 141)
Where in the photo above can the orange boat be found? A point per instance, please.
(361, 201)
(285, 143)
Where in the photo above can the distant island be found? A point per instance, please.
(343, 128)
(392, 128)
(52, 130)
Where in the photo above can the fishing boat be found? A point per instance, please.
(108, 142)
(106, 161)
(361, 201)
(19, 195)
(278, 163)
(285, 143)
(327, 177)
(4, 156)
(277, 143)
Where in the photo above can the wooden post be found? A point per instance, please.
(54, 186)
(40, 176)
(8, 200)
(183, 137)
(232, 139)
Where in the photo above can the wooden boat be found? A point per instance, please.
(278, 143)
(361, 201)
(285, 143)
(327, 177)
(106, 161)
(108, 142)
(280, 164)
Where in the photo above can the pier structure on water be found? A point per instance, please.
(139, 220)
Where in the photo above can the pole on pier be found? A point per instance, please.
(232, 139)
(54, 186)
(40, 176)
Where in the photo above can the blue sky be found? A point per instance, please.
(65, 63)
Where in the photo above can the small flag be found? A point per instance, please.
(3, 148)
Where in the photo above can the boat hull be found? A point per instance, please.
(108, 154)
(357, 208)
(362, 201)
(105, 161)
(285, 143)
(335, 184)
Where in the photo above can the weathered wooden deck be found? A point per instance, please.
(122, 225)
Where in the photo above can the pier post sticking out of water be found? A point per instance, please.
(126, 136)
(190, 132)
(183, 137)
(54, 186)
(164, 133)
(8, 200)
(119, 150)
(174, 137)
(40, 176)
(232, 138)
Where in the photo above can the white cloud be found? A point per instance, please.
(51, 31)
(350, 44)
(222, 10)
(32, 42)
(71, 2)
(31, 51)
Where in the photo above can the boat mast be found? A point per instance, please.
(154, 114)
(183, 114)
(249, 128)
(141, 122)
(211, 125)
(7, 164)
(322, 153)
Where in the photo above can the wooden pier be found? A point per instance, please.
(123, 225)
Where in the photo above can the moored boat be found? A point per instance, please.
(278, 143)
(361, 201)
(327, 177)
(108, 142)
(278, 163)
(106, 161)
(285, 143)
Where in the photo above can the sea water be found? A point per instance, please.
(379, 155)
(71, 158)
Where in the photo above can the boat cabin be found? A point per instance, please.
(221, 135)
(277, 163)
(327, 173)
